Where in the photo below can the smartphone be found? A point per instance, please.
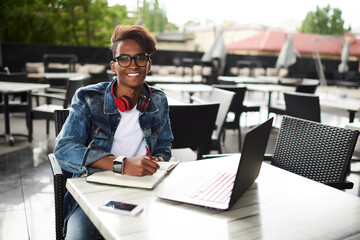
(121, 208)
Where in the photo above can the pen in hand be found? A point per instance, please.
(149, 153)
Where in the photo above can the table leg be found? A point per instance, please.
(190, 96)
(269, 104)
(28, 115)
(8, 136)
(351, 116)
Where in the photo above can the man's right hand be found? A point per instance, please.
(139, 166)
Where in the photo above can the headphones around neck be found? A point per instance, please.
(124, 102)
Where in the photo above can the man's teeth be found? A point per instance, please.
(133, 74)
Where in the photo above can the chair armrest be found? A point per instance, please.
(55, 167)
(59, 192)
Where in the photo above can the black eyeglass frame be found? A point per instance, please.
(132, 58)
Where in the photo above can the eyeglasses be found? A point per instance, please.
(125, 60)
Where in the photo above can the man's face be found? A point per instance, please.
(131, 76)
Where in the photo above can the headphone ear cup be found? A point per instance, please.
(123, 103)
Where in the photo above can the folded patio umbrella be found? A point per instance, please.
(343, 66)
(217, 51)
(288, 54)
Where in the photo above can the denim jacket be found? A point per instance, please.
(88, 132)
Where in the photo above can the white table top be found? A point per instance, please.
(174, 101)
(260, 80)
(268, 87)
(350, 104)
(15, 87)
(65, 75)
(353, 125)
(250, 80)
(279, 205)
(326, 100)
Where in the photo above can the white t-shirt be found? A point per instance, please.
(128, 139)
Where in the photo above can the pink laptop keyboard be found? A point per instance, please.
(218, 189)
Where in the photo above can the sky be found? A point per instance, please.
(272, 13)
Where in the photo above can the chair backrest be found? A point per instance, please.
(71, 86)
(60, 176)
(236, 105)
(60, 117)
(192, 125)
(314, 150)
(69, 59)
(306, 87)
(303, 105)
(224, 98)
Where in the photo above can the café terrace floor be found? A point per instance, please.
(26, 187)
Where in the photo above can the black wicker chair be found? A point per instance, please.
(236, 108)
(225, 98)
(192, 126)
(280, 108)
(314, 150)
(60, 177)
(46, 111)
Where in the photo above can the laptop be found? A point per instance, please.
(195, 182)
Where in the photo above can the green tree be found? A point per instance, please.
(28, 21)
(154, 18)
(65, 22)
(72, 22)
(323, 21)
(86, 22)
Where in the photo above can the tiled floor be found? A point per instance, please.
(26, 191)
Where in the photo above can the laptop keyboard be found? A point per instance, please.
(218, 189)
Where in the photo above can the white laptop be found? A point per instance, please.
(202, 183)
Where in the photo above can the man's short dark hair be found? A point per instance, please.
(138, 33)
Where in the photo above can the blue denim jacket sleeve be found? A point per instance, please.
(75, 137)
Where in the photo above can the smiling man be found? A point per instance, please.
(111, 124)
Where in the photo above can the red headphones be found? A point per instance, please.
(124, 102)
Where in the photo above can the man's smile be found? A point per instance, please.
(133, 74)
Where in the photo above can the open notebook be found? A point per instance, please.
(147, 182)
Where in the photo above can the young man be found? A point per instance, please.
(111, 123)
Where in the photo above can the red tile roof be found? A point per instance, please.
(272, 41)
